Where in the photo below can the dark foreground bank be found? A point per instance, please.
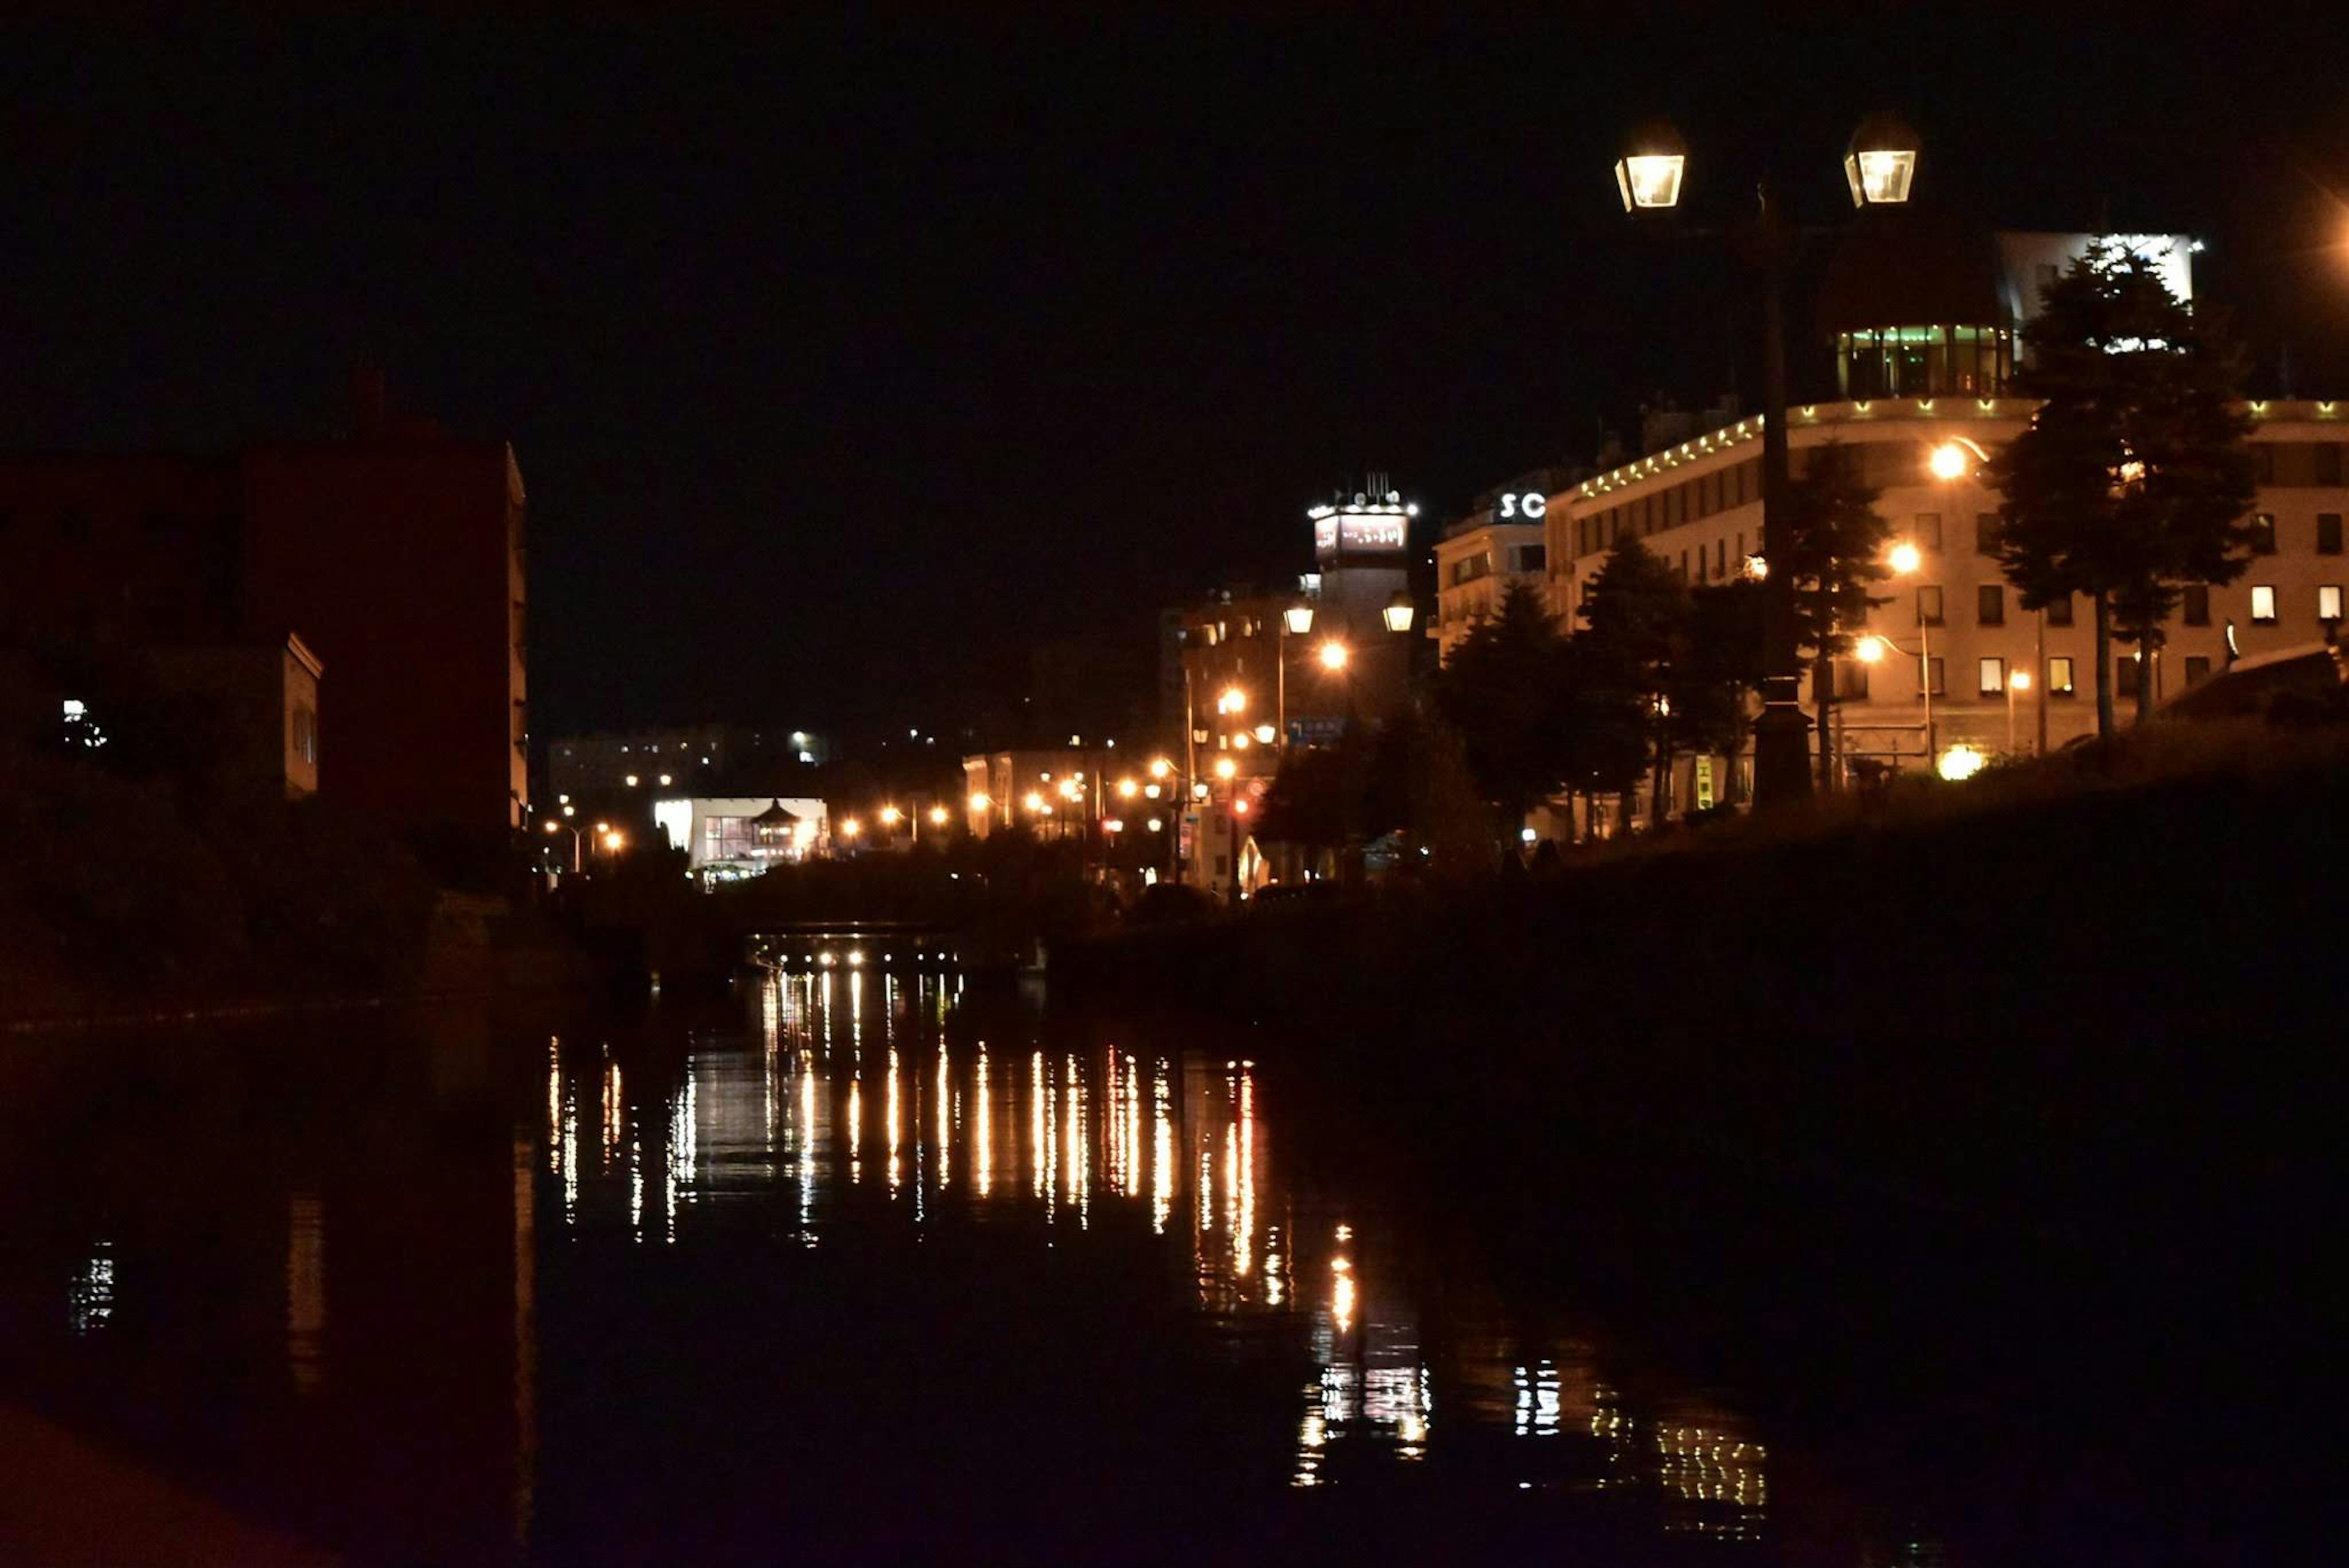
(2028, 1112)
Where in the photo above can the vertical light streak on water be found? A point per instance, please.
(553, 1106)
(945, 1120)
(1080, 1156)
(895, 1123)
(1038, 1136)
(1244, 1225)
(1050, 1092)
(984, 1150)
(1162, 1153)
(807, 1150)
(611, 1112)
(636, 1180)
(1134, 1126)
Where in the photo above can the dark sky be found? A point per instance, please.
(844, 363)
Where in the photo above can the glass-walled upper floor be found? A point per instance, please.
(1924, 361)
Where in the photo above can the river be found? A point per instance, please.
(853, 1268)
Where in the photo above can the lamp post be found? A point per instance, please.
(1906, 560)
(2016, 681)
(1879, 165)
(1228, 772)
(572, 829)
(1296, 620)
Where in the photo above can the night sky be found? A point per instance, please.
(843, 364)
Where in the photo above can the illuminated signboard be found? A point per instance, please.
(1363, 527)
(1518, 506)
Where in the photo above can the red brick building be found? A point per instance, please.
(397, 556)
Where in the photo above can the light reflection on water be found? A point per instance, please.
(1057, 1237)
(1114, 1137)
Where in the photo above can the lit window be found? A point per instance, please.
(1992, 679)
(2059, 676)
(2328, 601)
(2263, 603)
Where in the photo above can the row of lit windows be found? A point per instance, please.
(1883, 464)
(1992, 679)
(2193, 605)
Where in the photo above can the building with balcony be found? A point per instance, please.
(1504, 541)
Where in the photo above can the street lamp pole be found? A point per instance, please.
(2039, 673)
(1925, 679)
(573, 830)
(1782, 735)
(1878, 166)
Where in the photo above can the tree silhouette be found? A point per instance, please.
(2133, 479)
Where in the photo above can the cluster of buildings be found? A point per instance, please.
(355, 609)
(1246, 675)
(1950, 668)
(1919, 325)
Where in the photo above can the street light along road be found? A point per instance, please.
(1879, 164)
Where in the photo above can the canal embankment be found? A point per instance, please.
(2099, 1014)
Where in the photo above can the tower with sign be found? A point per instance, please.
(1361, 543)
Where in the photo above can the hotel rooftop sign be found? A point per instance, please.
(1362, 526)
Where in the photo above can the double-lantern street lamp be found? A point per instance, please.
(610, 837)
(1878, 166)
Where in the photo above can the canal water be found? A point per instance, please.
(853, 1268)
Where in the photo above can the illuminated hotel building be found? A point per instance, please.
(1956, 621)
(1261, 666)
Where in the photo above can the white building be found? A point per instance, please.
(724, 837)
(1504, 541)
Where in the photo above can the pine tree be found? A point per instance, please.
(1638, 615)
(1500, 694)
(2133, 479)
(1835, 552)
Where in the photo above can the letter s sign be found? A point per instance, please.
(1532, 503)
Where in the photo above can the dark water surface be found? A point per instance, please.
(850, 1272)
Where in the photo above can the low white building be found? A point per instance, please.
(729, 836)
(1502, 543)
